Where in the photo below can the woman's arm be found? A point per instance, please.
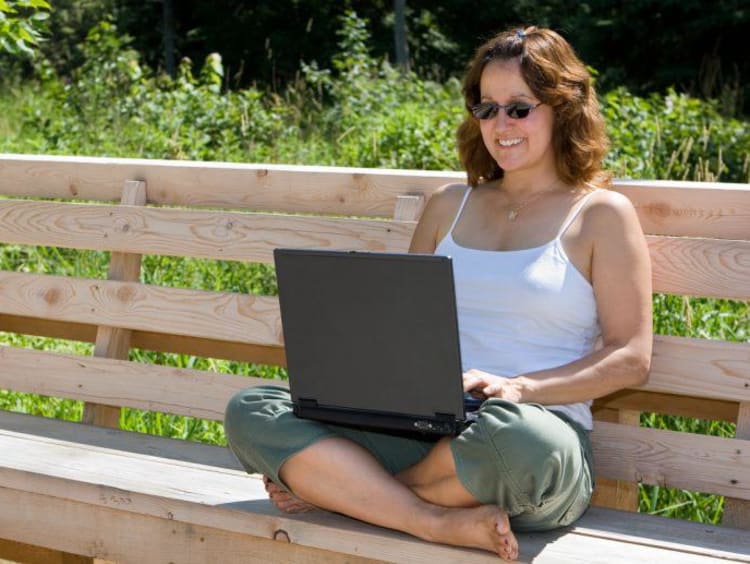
(621, 278)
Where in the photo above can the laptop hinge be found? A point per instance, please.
(306, 402)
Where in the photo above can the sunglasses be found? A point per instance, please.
(514, 110)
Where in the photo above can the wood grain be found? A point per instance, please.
(737, 511)
(192, 233)
(148, 340)
(181, 391)
(686, 266)
(673, 459)
(711, 268)
(224, 316)
(695, 209)
(13, 552)
(617, 494)
(114, 342)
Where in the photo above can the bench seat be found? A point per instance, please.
(146, 499)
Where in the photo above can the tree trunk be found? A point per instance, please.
(169, 35)
(399, 34)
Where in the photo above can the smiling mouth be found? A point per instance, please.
(509, 142)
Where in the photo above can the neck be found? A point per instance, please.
(522, 185)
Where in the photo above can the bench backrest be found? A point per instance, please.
(698, 235)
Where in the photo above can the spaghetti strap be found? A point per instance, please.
(460, 210)
(574, 214)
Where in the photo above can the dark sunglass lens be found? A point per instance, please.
(518, 111)
(486, 110)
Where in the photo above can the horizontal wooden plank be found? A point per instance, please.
(190, 233)
(224, 316)
(148, 340)
(115, 439)
(110, 536)
(703, 367)
(183, 492)
(669, 404)
(711, 268)
(13, 552)
(682, 366)
(260, 187)
(701, 267)
(716, 210)
(204, 394)
(180, 391)
(653, 456)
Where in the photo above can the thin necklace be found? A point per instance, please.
(516, 209)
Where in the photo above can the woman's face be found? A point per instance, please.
(515, 144)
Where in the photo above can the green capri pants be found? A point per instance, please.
(532, 462)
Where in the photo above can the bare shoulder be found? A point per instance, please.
(608, 214)
(443, 204)
(447, 197)
(437, 216)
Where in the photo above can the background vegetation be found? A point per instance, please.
(94, 90)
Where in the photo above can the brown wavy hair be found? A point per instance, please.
(558, 78)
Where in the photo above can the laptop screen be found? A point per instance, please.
(371, 332)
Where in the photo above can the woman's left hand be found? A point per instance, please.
(489, 385)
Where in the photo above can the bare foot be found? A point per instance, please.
(485, 527)
(285, 501)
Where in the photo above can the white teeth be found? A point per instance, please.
(509, 142)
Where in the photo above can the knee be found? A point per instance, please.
(252, 408)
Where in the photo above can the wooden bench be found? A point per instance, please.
(77, 492)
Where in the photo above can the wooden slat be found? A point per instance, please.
(673, 459)
(717, 371)
(703, 367)
(617, 494)
(12, 552)
(126, 441)
(292, 189)
(110, 536)
(180, 391)
(690, 209)
(696, 209)
(737, 511)
(409, 208)
(114, 342)
(191, 233)
(215, 315)
(210, 348)
(701, 267)
(669, 404)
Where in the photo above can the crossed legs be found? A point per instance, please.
(426, 500)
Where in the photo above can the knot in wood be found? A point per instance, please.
(281, 535)
(52, 296)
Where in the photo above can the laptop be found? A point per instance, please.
(372, 339)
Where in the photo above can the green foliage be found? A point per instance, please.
(22, 25)
(675, 137)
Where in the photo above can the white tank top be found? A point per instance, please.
(523, 311)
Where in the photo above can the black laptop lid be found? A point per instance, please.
(374, 332)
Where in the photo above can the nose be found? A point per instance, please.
(501, 120)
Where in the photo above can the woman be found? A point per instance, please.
(553, 289)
